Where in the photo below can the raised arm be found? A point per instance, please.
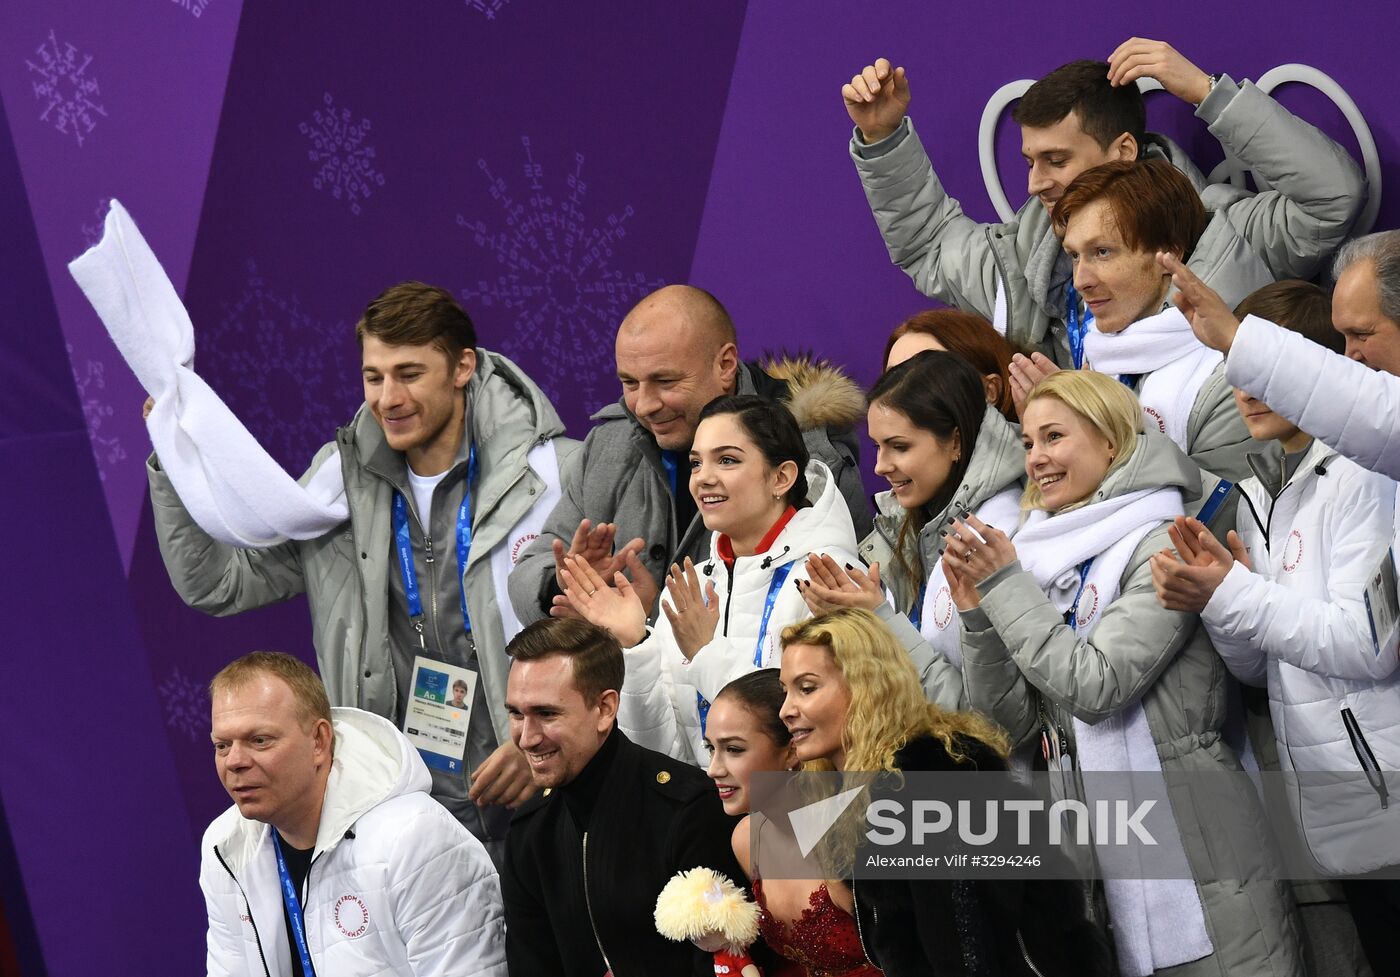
(212, 576)
(947, 254)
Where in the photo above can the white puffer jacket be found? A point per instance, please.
(1300, 622)
(396, 885)
(658, 707)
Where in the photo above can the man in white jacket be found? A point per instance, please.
(1351, 407)
(334, 858)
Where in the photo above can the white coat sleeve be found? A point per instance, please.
(1331, 636)
(446, 899)
(647, 702)
(1347, 406)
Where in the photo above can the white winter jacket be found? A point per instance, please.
(1342, 403)
(1300, 622)
(396, 885)
(658, 708)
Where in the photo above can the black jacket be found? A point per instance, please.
(648, 817)
(975, 927)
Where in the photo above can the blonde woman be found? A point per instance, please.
(1064, 640)
(854, 701)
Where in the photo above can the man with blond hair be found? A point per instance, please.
(334, 858)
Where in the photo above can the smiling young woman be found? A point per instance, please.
(1066, 644)
(944, 451)
(807, 922)
(767, 507)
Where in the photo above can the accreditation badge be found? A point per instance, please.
(439, 712)
(1382, 603)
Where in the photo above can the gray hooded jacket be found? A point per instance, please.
(997, 462)
(1021, 657)
(346, 573)
(1251, 240)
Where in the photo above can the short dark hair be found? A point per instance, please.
(1156, 206)
(1105, 111)
(597, 657)
(774, 431)
(941, 393)
(1297, 306)
(972, 338)
(761, 693)
(415, 314)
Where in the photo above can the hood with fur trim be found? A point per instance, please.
(819, 393)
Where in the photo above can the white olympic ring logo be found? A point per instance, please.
(1230, 169)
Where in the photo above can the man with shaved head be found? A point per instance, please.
(676, 351)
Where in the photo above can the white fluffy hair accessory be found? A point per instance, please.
(701, 901)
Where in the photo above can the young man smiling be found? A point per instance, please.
(452, 463)
(586, 860)
(1082, 115)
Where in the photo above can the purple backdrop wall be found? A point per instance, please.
(548, 163)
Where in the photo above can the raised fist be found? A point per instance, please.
(877, 99)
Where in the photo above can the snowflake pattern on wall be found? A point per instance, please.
(92, 233)
(186, 704)
(64, 87)
(558, 281)
(91, 380)
(487, 8)
(275, 366)
(346, 164)
(195, 7)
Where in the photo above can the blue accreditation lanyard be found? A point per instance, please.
(775, 587)
(1216, 500)
(916, 616)
(671, 461)
(1076, 326)
(403, 545)
(1073, 611)
(293, 904)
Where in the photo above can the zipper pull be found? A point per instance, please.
(427, 548)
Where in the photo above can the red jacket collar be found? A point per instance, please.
(725, 548)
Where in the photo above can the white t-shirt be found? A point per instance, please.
(423, 486)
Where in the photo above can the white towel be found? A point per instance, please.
(1173, 363)
(232, 488)
(1157, 923)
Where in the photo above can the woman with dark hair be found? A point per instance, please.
(808, 922)
(854, 703)
(767, 506)
(971, 337)
(945, 452)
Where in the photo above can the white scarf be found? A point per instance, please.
(232, 488)
(939, 620)
(1173, 363)
(1157, 923)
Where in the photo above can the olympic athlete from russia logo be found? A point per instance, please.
(1088, 605)
(1293, 551)
(519, 545)
(942, 609)
(351, 916)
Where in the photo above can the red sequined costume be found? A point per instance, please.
(822, 942)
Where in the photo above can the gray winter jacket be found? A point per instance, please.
(345, 573)
(1021, 657)
(620, 477)
(997, 463)
(1251, 240)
